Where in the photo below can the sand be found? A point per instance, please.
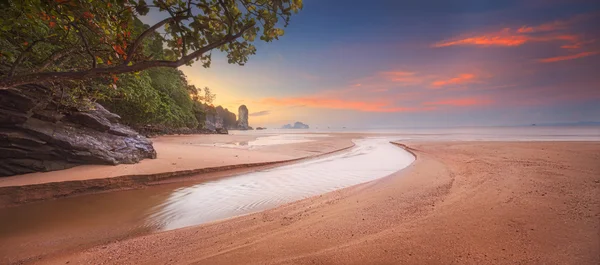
(177, 156)
(186, 152)
(458, 203)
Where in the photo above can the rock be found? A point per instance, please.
(90, 120)
(214, 123)
(242, 117)
(100, 111)
(297, 125)
(9, 117)
(35, 135)
(261, 128)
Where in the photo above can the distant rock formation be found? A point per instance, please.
(229, 118)
(214, 123)
(37, 135)
(297, 125)
(242, 123)
(261, 128)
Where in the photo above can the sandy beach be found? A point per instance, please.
(458, 203)
(178, 156)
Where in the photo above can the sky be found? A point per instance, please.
(386, 64)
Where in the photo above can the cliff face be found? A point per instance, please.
(35, 135)
(214, 123)
(243, 117)
(229, 118)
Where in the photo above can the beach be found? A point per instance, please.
(459, 202)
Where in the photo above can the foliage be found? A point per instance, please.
(153, 97)
(65, 40)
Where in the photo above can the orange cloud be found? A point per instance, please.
(577, 45)
(460, 102)
(507, 37)
(552, 26)
(503, 38)
(399, 76)
(461, 79)
(378, 106)
(568, 57)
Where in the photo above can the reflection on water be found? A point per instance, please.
(47, 226)
(370, 159)
(271, 140)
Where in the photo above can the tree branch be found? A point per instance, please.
(138, 41)
(8, 82)
(19, 59)
(85, 43)
(55, 56)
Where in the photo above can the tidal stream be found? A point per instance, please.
(91, 219)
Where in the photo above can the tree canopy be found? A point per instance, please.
(64, 40)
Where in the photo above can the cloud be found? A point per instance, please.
(502, 38)
(568, 57)
(260, 113)
(372, 106)
(460, 102)
(461, 79)
(551, 26)
(507, 37)
(399, 76)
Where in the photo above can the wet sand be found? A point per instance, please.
(458, 203)
(177, 156)
(30, 231)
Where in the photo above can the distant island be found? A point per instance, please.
(297, 125)
(579, 123)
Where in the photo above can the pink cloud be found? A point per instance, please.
(502, 38)
(372, 106)
(507, 37)
(461, 79)
(399, 76)
(568, 57)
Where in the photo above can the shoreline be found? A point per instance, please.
(15, 195)
(437, 210)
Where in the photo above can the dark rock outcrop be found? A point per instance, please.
(37, 135)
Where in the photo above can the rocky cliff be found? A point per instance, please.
(214, 123)
(36, 134)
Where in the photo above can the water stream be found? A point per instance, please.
(370, 159)
(81, 221)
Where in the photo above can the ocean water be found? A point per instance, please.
(508, 133)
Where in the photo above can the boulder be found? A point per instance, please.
(36, 135)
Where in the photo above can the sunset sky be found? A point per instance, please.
(420, 63)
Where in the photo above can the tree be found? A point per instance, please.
(64, 40)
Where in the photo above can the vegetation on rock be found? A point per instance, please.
(100, 51)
